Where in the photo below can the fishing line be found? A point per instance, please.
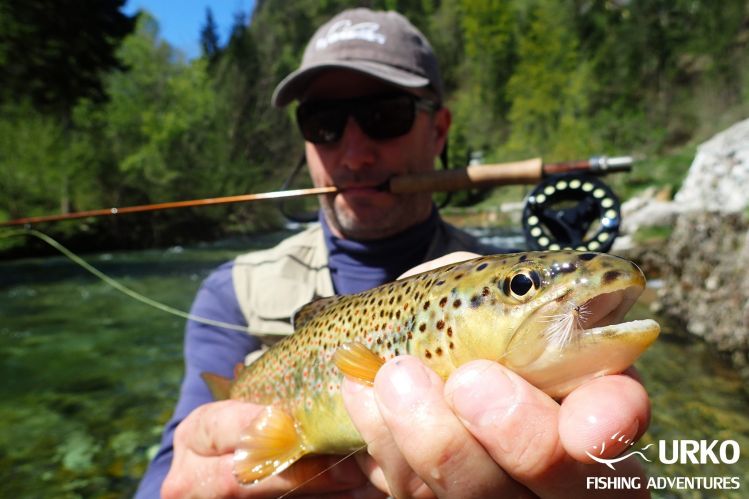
(119, 286)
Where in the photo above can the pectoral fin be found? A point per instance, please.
(358, 362)
(269, 445)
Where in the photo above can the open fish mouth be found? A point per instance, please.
(563, 345)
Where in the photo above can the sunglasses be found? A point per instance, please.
(380, 117)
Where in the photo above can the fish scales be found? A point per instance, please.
(549, 316)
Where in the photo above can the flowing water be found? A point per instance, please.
(89, 376)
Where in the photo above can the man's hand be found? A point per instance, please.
(204, 446)
(486, 432)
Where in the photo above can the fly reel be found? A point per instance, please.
(571, 211)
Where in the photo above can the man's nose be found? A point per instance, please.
(358, 149)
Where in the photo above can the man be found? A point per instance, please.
(371, 108)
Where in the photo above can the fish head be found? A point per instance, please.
(555, 318)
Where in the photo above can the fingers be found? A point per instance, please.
(203, 461)
(392, 475)
(519, 426)
(424, 438)
(611, 406)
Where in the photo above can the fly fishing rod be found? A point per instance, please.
(526, 172)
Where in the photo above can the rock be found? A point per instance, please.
(705, 262)
(719, 173)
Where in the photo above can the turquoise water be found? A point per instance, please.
(89, 376)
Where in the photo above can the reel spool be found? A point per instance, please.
(571, 211)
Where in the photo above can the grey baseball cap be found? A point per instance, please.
(384, 45)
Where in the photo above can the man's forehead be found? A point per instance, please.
(342, 84)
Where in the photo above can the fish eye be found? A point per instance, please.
(520, 284)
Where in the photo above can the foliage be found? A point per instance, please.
(53, 51)
(135, 122)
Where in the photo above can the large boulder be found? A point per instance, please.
(705, 263)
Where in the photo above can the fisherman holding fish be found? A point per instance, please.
(371, 108)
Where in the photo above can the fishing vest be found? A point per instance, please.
(272, 284)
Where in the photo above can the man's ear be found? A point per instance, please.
(442, 120)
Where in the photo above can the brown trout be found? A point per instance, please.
(553, 318)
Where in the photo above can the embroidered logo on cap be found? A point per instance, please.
(344, 30)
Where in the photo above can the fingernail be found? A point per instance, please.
(481, 395)
(405, 381)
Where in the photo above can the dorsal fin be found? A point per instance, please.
(306, 312)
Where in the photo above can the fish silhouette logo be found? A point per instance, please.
(610, 462)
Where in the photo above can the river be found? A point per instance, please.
(89, 376)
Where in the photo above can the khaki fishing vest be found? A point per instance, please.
(272, 284)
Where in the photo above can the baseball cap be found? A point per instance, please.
(384, 45)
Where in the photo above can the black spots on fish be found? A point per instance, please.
(426, 305)
(422, 327)
(485, 291)
(457, 303)
(443, 301)
(398, 314)
(440, 282)
(438, 351)
(611, 276)
(392, 299)
(427, 354)
(586, 257)
(452, 345)
(482, 267)
(382, 313)
(440, 324)
(396, 352)
(522, 258)
(449, 331)
(410, 336)
(389, 345)
(476, 301)
(458, 277)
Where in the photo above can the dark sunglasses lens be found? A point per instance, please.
(321, 123)
(386, 117)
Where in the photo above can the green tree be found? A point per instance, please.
(549, 89)
(209, 41)
(53, 52)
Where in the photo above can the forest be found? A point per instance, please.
(97, 110)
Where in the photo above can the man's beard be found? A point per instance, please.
(405, 214)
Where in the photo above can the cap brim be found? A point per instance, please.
(294, 85)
